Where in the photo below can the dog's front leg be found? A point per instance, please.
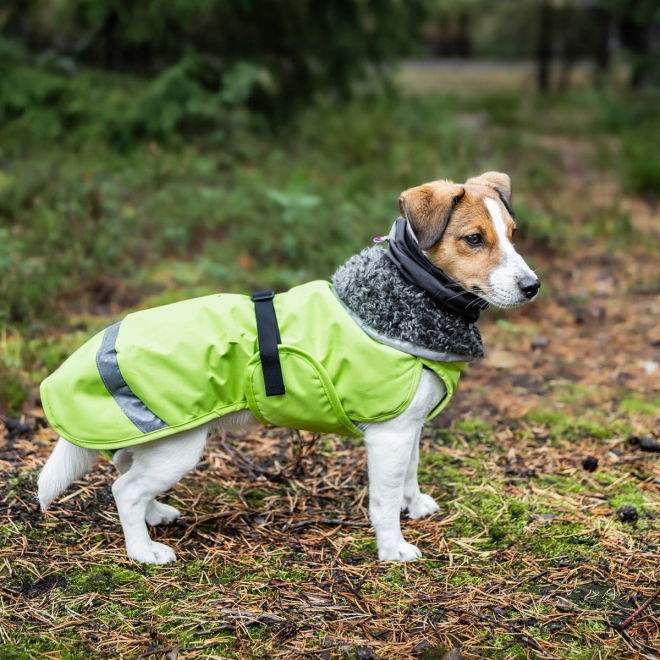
(393, 453)
(389, 449)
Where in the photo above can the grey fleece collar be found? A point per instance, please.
(401, 315)
(402, 344)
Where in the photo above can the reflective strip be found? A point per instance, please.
(132, 406)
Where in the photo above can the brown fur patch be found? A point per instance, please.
(426, 208)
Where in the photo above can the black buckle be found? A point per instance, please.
(260, 296)
(268, 337)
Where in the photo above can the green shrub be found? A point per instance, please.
(640, 158)
(199, 65)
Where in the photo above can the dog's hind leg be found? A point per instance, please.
(155, 467)
(158, 513)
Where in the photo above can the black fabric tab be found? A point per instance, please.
(416, 268)
(268, 334)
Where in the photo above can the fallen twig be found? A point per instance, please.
(245, 618)
(627, 622)
(178, 649)
(524, 639)
(250, 466)
(645, 653)
(326, 521)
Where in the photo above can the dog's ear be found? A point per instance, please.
(498, 180)
(428, 209)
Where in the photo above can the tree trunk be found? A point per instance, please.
(602, 20)
(635, 38)
(544, 46)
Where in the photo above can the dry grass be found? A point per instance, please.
(526, 558)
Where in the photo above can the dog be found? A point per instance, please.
(404, 318)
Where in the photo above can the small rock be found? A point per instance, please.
(627, 513)
(584, 314)
(426, 651)
(17, 427)
(646, 442)
(590, 463)
(540, 342)
(453, 654)
(553, 626)
(649, 366)
(422, 646)
(364, 653)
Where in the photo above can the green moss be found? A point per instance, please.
(563, 427)
(437, 467)
(12, 529)
(255, 497)
(575, 393)
(558, 537)
(505, 646)
(28, 647)
(564, 484)
(503, 519)
(628, 495)
(105, 579)
(461, 579)
(363, 547)
(649, 407)
(474, 430)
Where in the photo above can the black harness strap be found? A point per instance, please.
(268, 334)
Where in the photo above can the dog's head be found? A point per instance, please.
(466, 230)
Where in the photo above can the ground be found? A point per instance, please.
(547, 536)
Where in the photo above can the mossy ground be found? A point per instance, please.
(526, 557)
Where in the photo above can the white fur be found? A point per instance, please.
(149, 469)
(67, 463)
(504, 279)
(393, 453)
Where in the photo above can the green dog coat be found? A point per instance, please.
(172, 368)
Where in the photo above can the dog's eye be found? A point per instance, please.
(474, 239)
(513, 231)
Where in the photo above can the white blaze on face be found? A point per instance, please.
(505, 277)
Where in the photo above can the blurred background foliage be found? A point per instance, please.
(155, 150)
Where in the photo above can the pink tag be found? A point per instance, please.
(380, 239)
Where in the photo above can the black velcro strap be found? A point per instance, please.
(268, 334)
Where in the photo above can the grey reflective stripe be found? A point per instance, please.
(132, 406)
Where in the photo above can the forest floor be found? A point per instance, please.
(545, 466)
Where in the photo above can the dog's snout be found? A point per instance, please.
(529, 286)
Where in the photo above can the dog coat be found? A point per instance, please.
(172, 368)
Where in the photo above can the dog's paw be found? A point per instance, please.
(161, 514)
(152, 553)
(421, 506)
(400, 551)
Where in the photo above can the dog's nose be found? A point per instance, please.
(529, 286)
